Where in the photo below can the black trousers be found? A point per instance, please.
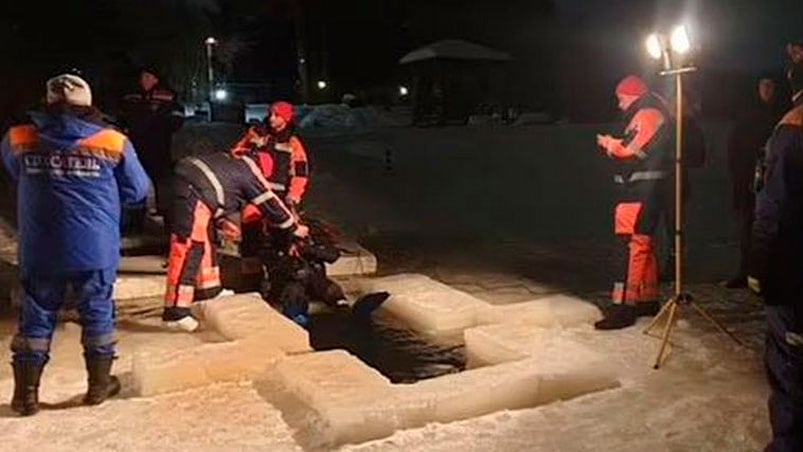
(784, 362)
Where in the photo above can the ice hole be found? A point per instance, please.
(384, 343)
(365, 378)
(351, 382)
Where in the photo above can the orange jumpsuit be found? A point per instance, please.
(644, 157)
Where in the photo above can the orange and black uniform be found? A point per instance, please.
(283, 160)
(207, 189)
(643, 176)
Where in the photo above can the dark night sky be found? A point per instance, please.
(743, 35)
(583, 41)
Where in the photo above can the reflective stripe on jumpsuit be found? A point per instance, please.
(192, 271)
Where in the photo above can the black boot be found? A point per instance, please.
(618, 316)
(26, 387)
(648, 309)
(102, 384)
(737, 282)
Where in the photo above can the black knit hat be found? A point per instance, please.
(150, 69)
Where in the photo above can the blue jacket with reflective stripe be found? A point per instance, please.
(73, 174)
(777, 240)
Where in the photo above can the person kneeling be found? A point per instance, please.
(206, 190)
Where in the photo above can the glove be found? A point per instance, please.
(754, 284)
(250, 214)
(229, 230)
(302, 231)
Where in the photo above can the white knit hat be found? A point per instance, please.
(70, 89)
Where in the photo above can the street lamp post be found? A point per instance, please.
(670, 50)
(210, 72)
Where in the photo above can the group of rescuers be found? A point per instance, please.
(75, 173)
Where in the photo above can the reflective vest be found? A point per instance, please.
(652, 163)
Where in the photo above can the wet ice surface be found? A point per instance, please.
(385, 344)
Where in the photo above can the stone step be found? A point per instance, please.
(143, 264)
(131, 291)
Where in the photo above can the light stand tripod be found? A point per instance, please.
(680, 299)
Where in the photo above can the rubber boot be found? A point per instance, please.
(737, 282)
(26, 387)
(648, 308)
(618, 316)
(176, 318)
(102, 384)
(365, 305)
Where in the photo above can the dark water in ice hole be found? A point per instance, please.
(385, 344)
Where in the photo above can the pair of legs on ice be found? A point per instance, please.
(783, 358)
(635, 291)
(43, 298)
(193, 273)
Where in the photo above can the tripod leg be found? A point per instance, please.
(714, 322)
(667, 331)
(658, 316)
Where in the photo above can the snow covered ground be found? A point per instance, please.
(710, 396)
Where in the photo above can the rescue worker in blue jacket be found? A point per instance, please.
(73, 172)
(644, 167)
(775, 269)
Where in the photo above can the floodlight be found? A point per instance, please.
(680, 40)
(654, 46)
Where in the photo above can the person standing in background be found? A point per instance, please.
(151, 116)
(745, 149)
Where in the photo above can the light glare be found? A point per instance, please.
(221, 94)
(322, 84)
(680, 40)
(654, 46)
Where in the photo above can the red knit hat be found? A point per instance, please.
(632, 86)
(283, 110)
